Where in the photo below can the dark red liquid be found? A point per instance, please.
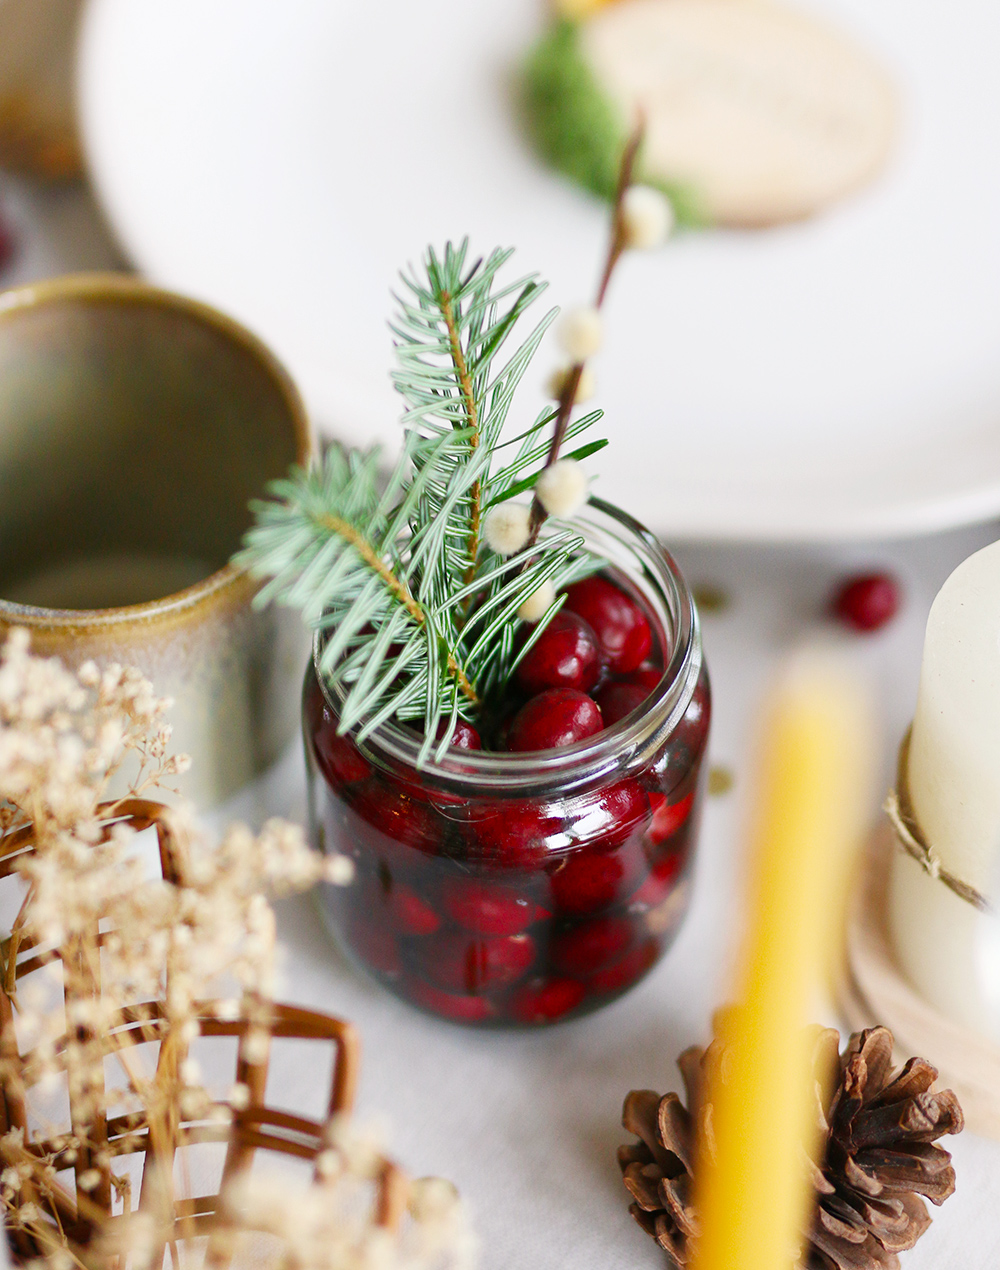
(506, 911)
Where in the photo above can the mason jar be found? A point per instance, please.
(519, 889)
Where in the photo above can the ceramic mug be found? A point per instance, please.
(135, 426)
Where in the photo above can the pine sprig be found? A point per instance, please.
(418, 616)
(451, 325)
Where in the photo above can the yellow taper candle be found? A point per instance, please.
(813, 799)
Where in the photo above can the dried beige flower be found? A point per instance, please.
(171, 941)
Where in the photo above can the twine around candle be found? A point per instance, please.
(899, 808)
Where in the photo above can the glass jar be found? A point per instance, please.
(522, 888)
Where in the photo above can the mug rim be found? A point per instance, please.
(129, 289)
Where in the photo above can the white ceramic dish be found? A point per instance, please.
(835, 378)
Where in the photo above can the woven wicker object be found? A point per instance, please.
(244, 1130)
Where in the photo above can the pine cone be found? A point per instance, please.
(878, 1159)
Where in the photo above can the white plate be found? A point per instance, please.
(831, 379)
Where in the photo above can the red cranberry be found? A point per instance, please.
(624, 972)
(589, 880)
(621, 627)
(647, 676)
(373, 943)
(693, 727)
(451, 1005)
(458, 963)
(339, 758)
(411, 914)
(610, 816)
(565, 656)
(867, 601)
(515, 834)
(547, 1001)
(556, 717)
(425, 795)
(465, 736)
(399, 816)
(488, 909)
(668, 817)
(620, 697)
(588, 946)
(660, 881)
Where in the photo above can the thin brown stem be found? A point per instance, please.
(472, 414)
(398, 588)
(625, 174)
(616, 245)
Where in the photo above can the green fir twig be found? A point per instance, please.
(417, 614)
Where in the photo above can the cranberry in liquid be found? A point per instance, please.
(489, 908)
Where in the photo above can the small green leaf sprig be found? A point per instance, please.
(418, 584)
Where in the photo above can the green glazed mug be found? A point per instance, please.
(135, 426)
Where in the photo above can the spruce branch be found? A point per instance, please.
(417, 614)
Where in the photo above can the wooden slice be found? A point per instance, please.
(765, 113)
(874, 990)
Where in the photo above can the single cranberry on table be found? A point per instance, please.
(565, 655)
(553, 718)
(867, 601)
(622, 628)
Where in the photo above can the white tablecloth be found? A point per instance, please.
(527, 1124)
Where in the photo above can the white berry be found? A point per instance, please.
(647, 217)
(562, 488)
(538, 603)
(585, 389)
(507, 528)
(580, 333)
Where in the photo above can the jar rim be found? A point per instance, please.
(533, 771)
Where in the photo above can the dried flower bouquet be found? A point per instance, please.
(112, 973)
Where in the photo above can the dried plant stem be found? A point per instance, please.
(616, 245)
(345, 530)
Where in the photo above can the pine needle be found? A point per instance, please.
(418, 616)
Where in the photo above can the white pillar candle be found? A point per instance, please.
(954, 780)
